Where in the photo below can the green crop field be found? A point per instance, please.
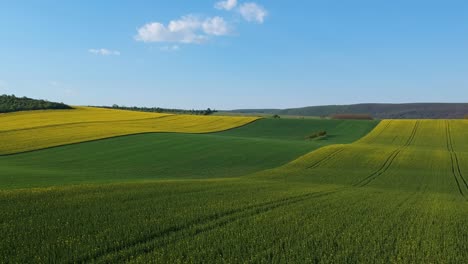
(265, 144)
(393, 191)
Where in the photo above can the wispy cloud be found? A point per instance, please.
(253, 12)
(187, 29)
(104, 52)
(226, 5)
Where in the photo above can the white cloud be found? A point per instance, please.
(182, 31)
(170, 48)
(215, 26)
(191, 29)
(104, 52)
(186, 23)
(187, 29)
(253, 12)
(226, 5)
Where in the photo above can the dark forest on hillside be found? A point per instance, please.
(11, 103)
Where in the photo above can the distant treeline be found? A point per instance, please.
(380, 111)
(11, 103)
(352, 116)
(161, 110)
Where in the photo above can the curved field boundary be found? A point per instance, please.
(41, 118)
(29, 139)
(117, 136)
(390, 159)
(80, 142)
(462, 184)
(323, 158)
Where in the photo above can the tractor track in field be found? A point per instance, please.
(172, 234)
(325, 159)
(455, 165)
(390, 159)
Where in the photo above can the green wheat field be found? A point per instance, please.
(389, 191)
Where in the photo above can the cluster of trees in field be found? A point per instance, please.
(208, 111)
(11, 103)
(321, 133)
(352, 116)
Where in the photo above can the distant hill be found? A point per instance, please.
(412, 110)
(11, 103)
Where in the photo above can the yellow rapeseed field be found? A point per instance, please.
(39, 118)
(26, 131)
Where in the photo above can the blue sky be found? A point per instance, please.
(234, 54)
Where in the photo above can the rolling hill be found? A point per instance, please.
(396, 195)
(263, 144)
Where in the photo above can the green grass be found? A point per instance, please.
(395, 196)
(261, 145)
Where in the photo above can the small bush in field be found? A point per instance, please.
(317, 134)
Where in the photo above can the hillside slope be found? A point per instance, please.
(264, 144)
(397, 154)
